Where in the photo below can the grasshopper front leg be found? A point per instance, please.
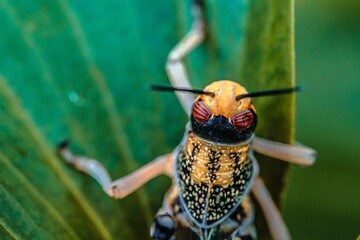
(175, 67)
(121, 187)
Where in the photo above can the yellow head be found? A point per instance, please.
(220, 117)
(224, 101)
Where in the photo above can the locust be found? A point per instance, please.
(213, 168)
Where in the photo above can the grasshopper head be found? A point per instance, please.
(223, 112)
(222, 117)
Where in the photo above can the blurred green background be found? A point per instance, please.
(327, 40)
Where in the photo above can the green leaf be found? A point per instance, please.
(70, 69)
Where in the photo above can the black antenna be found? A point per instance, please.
(269, 92)
(172, 89)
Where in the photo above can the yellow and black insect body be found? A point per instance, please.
(212, 179)
(214, 168)
(214, 164)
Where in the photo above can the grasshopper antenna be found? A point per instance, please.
(172, 89)
(270, 92)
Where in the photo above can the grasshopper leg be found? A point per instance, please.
(121, 187)
(272, 215)
(297, 154)
(175, 68)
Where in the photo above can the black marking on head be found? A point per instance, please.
(219, 129)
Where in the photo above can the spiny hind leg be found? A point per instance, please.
(175, 67)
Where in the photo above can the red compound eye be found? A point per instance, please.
(243, 119)
(201, 112)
